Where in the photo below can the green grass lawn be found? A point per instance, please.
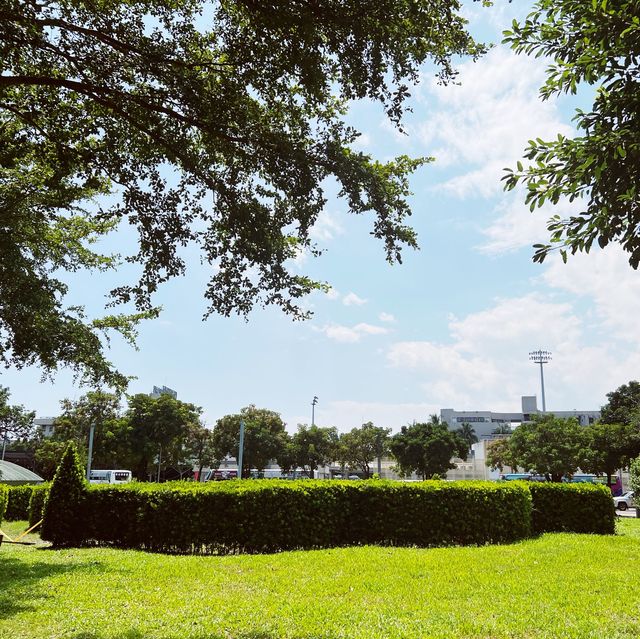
(555, 586)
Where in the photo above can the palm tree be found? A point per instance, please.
(468, 434)
(502, 429)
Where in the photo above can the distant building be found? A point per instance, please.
(485, 422)
(163, 390)
(46, 424)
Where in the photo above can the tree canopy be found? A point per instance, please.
(15, 420)
(548, 445)
(264, 437)
(609, 447)
(156, 426)
(361, 446)
(623, 406)
(500, 455)
(212, 124)
(97, 408)
(426, 449)
(597, 43)
(314, 446)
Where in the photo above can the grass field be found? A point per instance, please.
(568, 586)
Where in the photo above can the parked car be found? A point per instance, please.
(624, 501)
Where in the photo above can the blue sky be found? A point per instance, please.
(449, 328)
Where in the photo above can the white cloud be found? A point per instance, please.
(515, 227)
(333, 294)
(363, 141)
(351, 299)
(326, 227)
(485, 122)
(351, 334)
(484, 365)
(605, 277)
(386, 317)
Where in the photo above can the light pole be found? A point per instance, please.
(541, 357)
(92, 429)
(313, 410)
(240, 449)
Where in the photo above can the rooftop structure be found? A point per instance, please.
(17, 475)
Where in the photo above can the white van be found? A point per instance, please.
(110, 476)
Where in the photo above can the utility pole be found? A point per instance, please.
(541, 357)
(241, 449)
(92, 429)
(313, 410)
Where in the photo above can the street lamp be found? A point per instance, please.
(541, 357)
(313, 410)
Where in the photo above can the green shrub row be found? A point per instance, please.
(38, 498)
(18, 506)
(4, 498)
(270, 516)
(579, 508)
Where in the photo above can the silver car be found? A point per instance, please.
(624, 501)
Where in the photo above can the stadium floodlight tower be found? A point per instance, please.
(541, 357)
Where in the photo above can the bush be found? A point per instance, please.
(37, 500)
(634, 476)
(18, 506)
(578, 508)
(269, 516)
(64, 518)
(4, 498)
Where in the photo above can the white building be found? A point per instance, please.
(47, 425)
(485, 422)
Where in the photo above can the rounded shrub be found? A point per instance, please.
(64, 518)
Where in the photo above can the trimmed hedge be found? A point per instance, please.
(273, 515)
(578, 508)
(270, 516)
(19, 498)
(4, 498)
(37, 501)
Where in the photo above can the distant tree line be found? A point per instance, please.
(165, 437)
(557, 447)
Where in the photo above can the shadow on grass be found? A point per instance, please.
(19, 580)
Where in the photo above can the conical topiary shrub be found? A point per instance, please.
(64, 522)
